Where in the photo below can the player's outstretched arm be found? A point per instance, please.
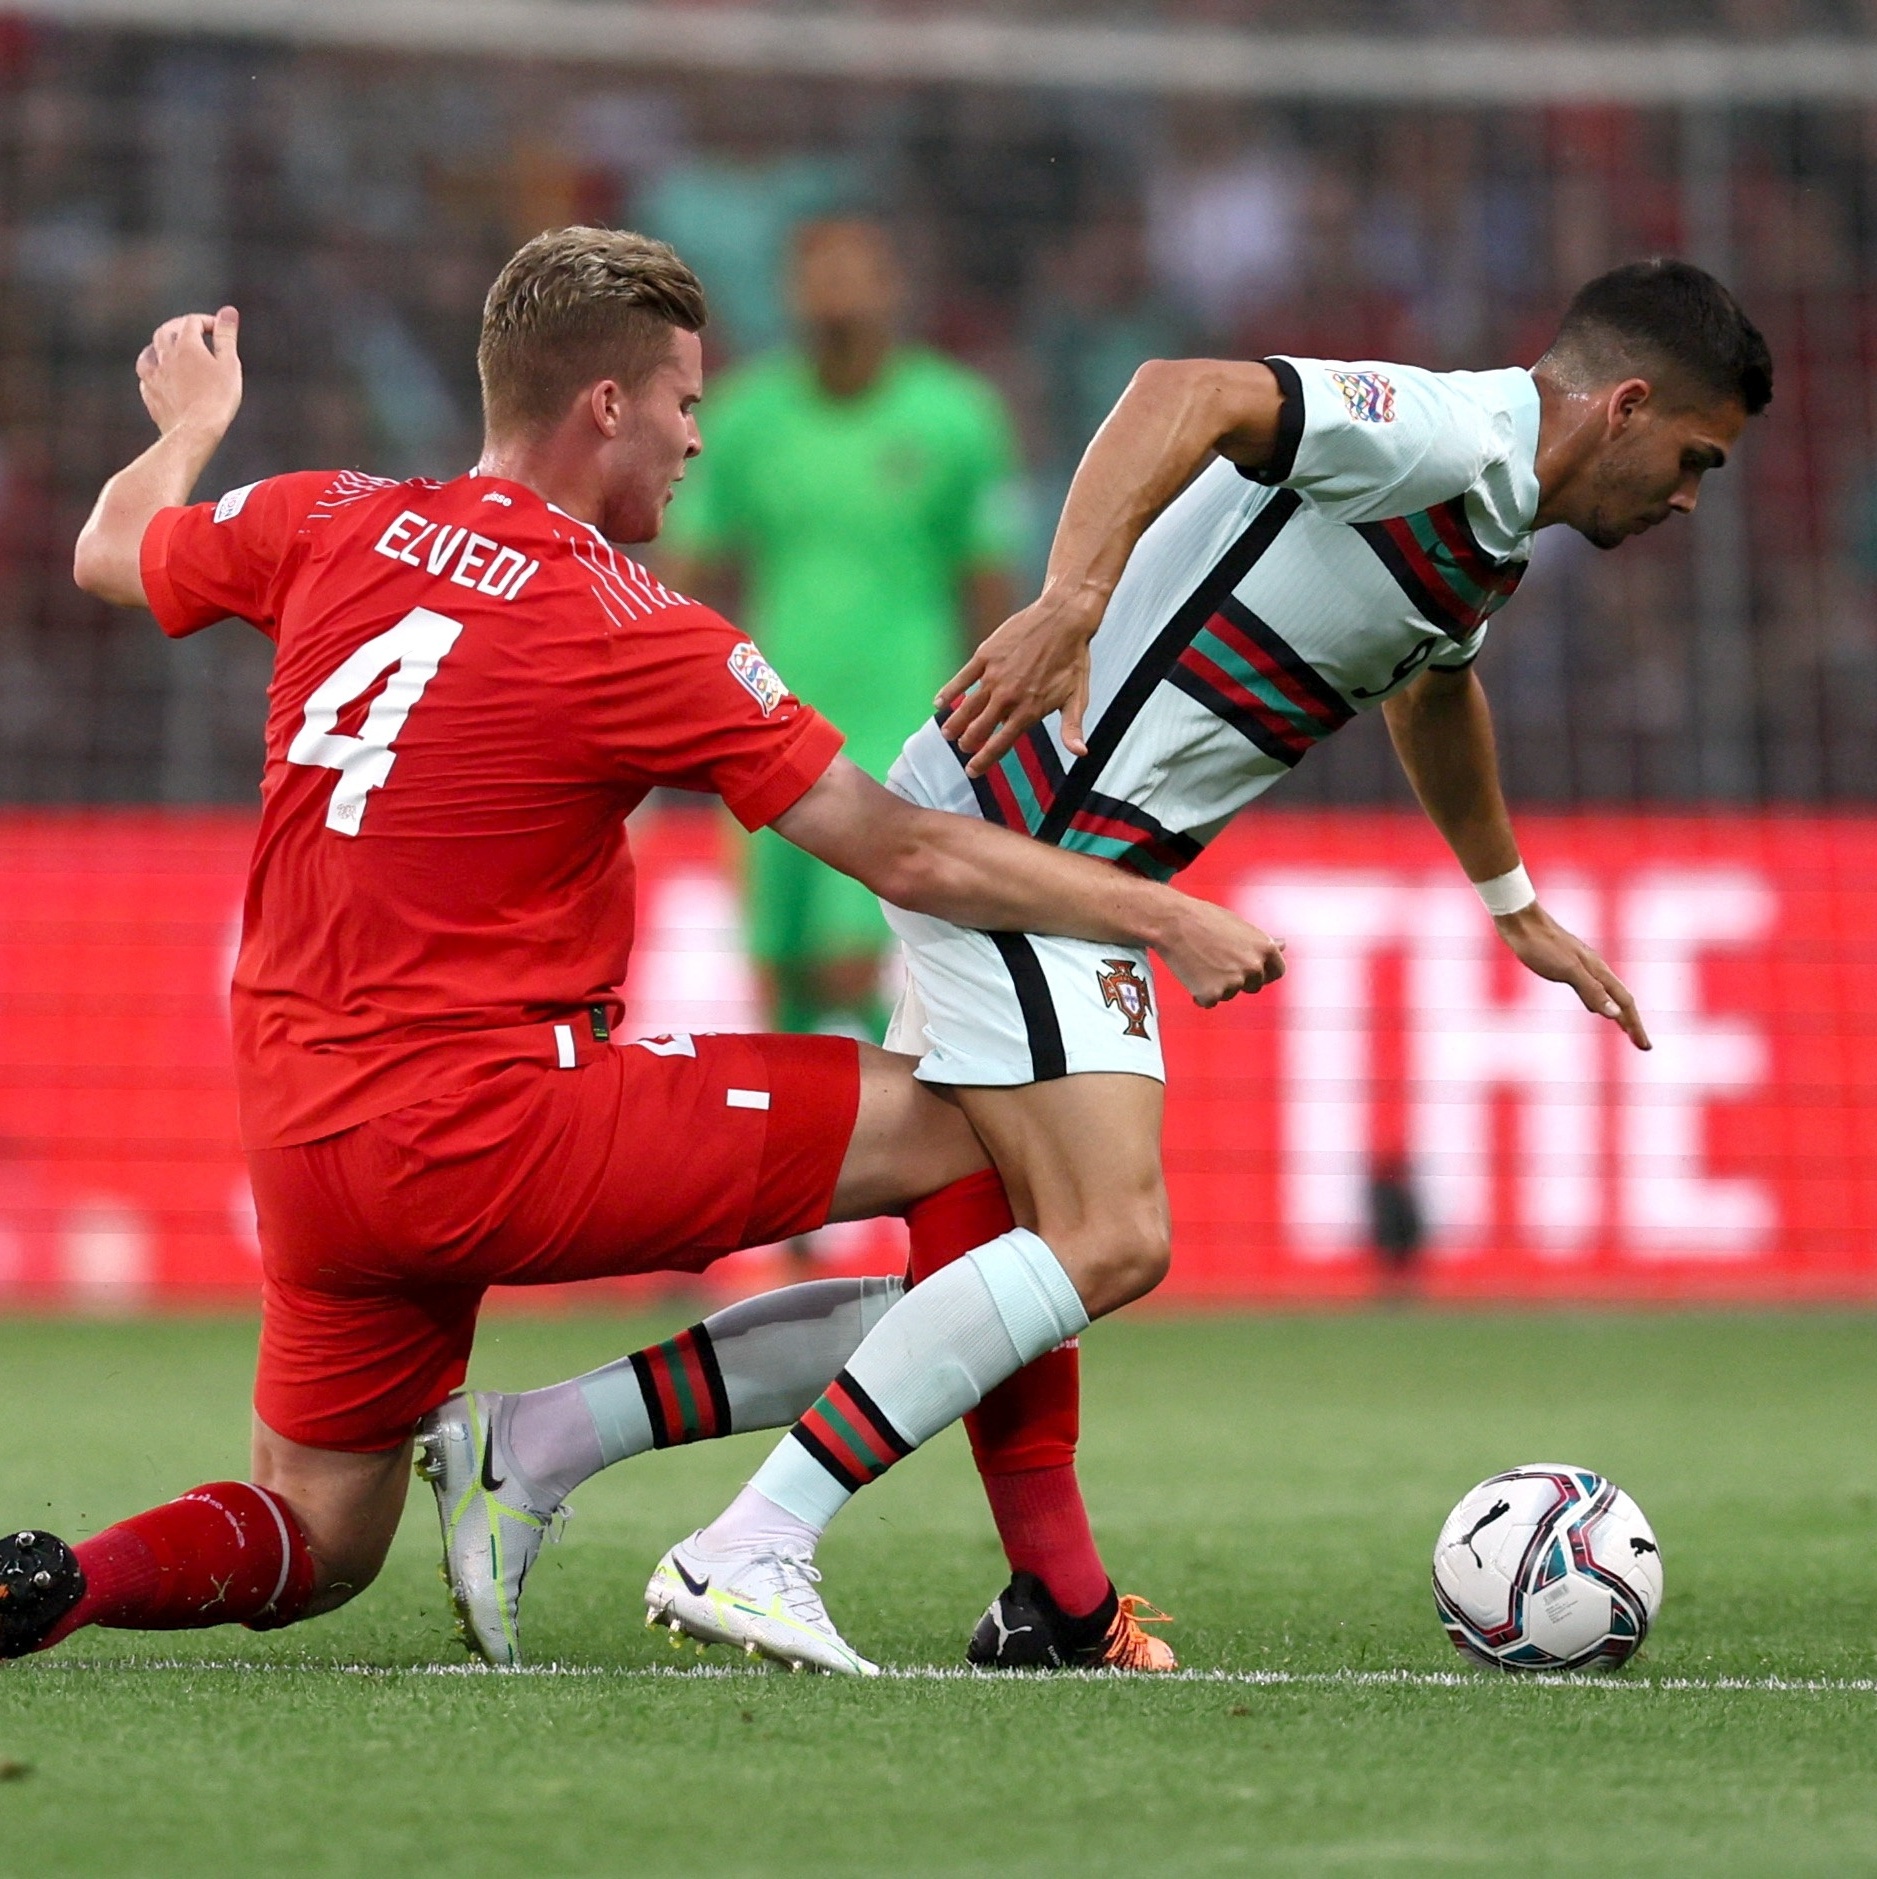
(190, 376)
(1173, 416)
(1442, 731)
(960, 869)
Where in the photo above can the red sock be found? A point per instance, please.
(1023, 1434)
(1044, 1527)
(228, 1553)
(946, 1225)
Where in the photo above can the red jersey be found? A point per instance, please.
(471, 692)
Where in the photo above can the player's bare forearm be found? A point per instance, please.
(957, 868)
(107, 559)
(1173, 416)
(1442, 732)
(190, 377)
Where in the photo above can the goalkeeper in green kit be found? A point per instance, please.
(863, 493)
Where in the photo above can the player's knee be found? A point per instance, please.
(1120, 1257)
(344, 1509)
(1149, 1257)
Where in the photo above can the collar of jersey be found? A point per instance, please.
(1523, 462)
(574, 519)
(474, 475)
(553, 508)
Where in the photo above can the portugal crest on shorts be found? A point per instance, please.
(1124, 989)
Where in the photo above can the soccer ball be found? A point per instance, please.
(1547, 1567)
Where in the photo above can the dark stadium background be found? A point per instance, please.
(1077, 189)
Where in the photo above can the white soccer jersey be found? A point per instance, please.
(1263, 610)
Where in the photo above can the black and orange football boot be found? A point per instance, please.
(1025, 1629)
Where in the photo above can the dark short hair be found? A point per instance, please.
(574, 306)
(1669, 316)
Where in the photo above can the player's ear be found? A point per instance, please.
(1625, 400)
(606, 405)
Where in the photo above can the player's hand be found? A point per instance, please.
(1216, 955)
(1546, 948)
(190, 372)
(1035, 663)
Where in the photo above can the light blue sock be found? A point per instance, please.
(934, 1355)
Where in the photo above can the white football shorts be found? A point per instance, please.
(999, 1009)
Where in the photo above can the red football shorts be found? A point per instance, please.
(378, 1243)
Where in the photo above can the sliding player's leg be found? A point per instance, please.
(342, 1376)
(1081, 1156)
(1060, 1609)
(307, 1531)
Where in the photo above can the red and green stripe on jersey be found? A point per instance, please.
(1118, 831)
(685, 1400)
(1239, 669)
(1020, 791)
(1438, 563)
(848, 1434)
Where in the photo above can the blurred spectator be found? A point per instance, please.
(863, 491)
(418, 429)
(730, 219)
(356, 204)
(1225, 220)
(729, 209)
(1095, 316)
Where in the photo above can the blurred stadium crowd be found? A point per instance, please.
(355, 206)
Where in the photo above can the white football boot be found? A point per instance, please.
(493, 1519)
(764, 1602)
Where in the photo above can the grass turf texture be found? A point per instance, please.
(1275, 1482)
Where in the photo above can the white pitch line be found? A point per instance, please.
(1246, 1679)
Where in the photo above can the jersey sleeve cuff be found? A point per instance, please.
(1466, 654)
(1290, 415)
(789, 779)
(173, 615)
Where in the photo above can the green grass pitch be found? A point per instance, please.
(1274, 1482)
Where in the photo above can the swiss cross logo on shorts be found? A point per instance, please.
(1369, 396)
(757, 676)
(1123, 987)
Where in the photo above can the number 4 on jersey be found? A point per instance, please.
(411, 651)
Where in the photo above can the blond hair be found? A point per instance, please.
(571, 307)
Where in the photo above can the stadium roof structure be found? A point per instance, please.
(978, 49)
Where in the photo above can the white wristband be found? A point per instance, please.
(1511, 892)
